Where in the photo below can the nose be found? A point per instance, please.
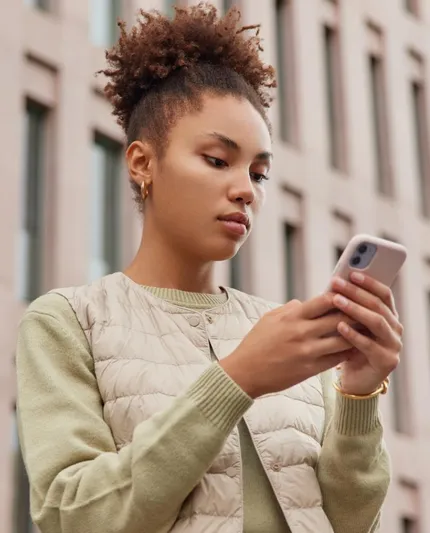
(242, 189)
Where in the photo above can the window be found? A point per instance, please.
(105, 202)
(334, 98)
(32, 225)
(380, 126)
(44, 5)
(409, 525)
(412, 7)
(398, 379)
(21, 521)
(293, 264)
(228, 4)
(285, 71)
(235, 272)
(338, 251)
(169, 6)
(421, 144)
(103, 21)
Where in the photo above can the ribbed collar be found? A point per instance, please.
(192, 300)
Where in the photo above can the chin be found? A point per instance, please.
(223, 251)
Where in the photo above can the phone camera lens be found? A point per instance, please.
(362, 249)
(356, 260)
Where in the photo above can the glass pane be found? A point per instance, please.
(39, 4)
(235, 272)
(105, 208)
(330, 75)
(377, 110)
(104, 15)
(169, 7)
(21, 521)
(420, 130)
(411, 6)
(409, 525)
(290, 261)
(31, 232)
(282, 67)
(338, 251)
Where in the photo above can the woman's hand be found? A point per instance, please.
(375, 354)
(288, 345)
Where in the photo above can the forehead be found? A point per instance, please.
(232, 117)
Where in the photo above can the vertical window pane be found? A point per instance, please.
(39, 4)
(105, 207)
(421, 139)
(409, 525)
(169, 6)
(103, 21)
(31, 233)
(338, 251)
(21, 521)
(380, 130)
(332, 78)
(284, 69)
(227, 4)
(235, 272)
(398, 379)
(411, 6)
(293, 263)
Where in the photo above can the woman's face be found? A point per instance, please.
(209, 186)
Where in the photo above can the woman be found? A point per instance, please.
(154, 401)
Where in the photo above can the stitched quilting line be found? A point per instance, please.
(149, 362)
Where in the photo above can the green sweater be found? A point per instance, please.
(80, 483)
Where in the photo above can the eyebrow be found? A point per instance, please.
(262, 156)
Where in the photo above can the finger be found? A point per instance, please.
(326, 325)
(378, 356)
(318, 306)
(374, 322)
(328, 346)
(367, 299)
(380, 290)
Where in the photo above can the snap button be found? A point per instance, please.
(194, 321)
(231, 471)
(276, 467)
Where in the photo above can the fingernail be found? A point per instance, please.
(340, 300)
(340, 282)
(343, 328)
(356, 276)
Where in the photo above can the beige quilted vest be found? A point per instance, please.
(147, 351)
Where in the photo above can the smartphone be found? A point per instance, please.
(374, 257)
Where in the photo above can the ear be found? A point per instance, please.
(140, 158)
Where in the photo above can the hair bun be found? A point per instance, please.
(157, 46)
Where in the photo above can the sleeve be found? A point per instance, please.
(78, 480)
(354, 467)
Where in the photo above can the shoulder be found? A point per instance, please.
(51, 306)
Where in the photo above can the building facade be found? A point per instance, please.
(352, 154)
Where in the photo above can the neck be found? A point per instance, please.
(161, 264)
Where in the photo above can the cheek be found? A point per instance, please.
(260, 198)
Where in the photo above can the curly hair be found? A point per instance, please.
(161, 67)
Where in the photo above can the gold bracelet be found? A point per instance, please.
(382, 389)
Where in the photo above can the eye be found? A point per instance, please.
(259, 178)
(215, 161)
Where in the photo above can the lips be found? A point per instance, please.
(238, 218)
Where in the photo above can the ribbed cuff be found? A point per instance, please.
(356, 417)
(219, 398)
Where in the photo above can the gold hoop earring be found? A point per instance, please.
(144, 189)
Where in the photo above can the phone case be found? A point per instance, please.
(385, 264)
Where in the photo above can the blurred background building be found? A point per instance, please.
(352, 155)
